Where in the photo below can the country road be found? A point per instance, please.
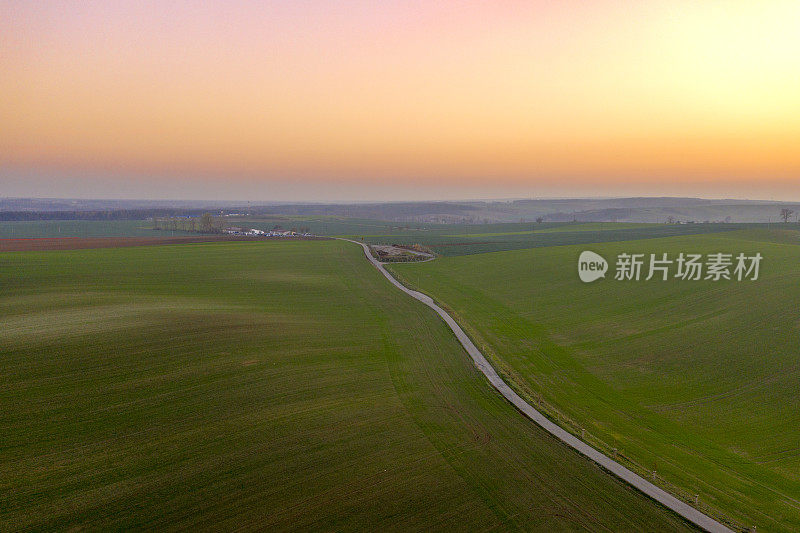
(688, 512)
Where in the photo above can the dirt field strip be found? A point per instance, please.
(633, 479)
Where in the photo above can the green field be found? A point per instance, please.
(275, 385)
(562, 227)
(26, 229)
(31, 229)
(455, 240)
(696, 380)
(143, 228)
(444, 239)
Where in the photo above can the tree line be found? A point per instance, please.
(205, 223)
(115, 214)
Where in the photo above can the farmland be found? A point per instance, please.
(31, 229)
(444, 239)
(454, 240)
(220, 385)
(695, 380)
(77, 243)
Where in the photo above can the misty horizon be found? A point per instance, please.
(29, 184)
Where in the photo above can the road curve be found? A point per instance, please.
(687, 511)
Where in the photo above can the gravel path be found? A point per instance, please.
(658, 494)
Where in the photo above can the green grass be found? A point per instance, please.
(588, 226)
(444, 239)
(454, 240)
(31, 229)
(276, 385)
(696, 380)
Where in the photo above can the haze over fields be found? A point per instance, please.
(645, 210)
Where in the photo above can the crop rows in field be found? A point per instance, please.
(277, 385)
(696, 381)
(453, 244)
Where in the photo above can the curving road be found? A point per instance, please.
(658, 494)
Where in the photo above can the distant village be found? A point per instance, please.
(208, 223)
(252, 232)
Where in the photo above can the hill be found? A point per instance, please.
(696, 380)
(266, 385)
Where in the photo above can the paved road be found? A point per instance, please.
(658, 494)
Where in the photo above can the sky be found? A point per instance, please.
(311, 100)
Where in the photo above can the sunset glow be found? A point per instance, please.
(533, 95)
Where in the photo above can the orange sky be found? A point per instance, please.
(569, 98)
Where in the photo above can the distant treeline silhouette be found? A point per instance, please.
(116, 214)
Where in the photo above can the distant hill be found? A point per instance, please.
(641, 209)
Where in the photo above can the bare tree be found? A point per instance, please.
(786, 213)
(206, 223)
(539, 220)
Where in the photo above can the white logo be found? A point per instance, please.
(591, 267)
(686, 266)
